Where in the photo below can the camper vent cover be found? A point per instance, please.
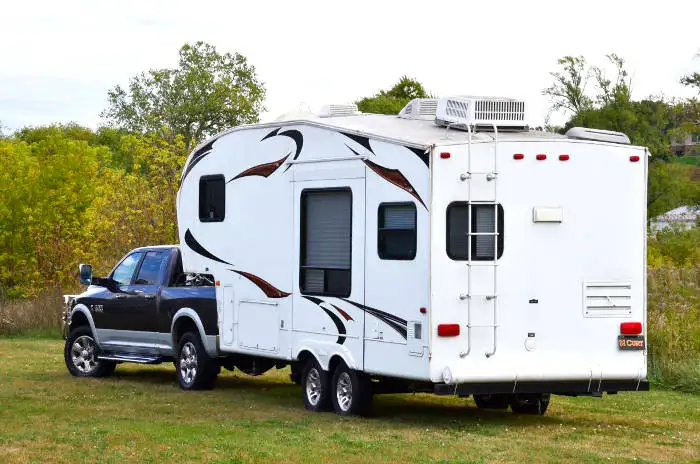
(599, 135)
(420, 108)
(329, 111)
(483, 112)
(607, 299)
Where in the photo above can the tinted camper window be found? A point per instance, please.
(397, 231)
(326, 242)
(465, 222)
(212, 198)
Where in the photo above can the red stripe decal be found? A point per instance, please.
(268, 289)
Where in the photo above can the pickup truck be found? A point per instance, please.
(145, 311)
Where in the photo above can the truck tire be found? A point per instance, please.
(534, 403)
(195, 369)
(80, 353)
(314, 386)
(494, 401)
(351, 392)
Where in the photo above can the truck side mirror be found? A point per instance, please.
(85, 274)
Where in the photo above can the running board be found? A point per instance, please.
(133, 358)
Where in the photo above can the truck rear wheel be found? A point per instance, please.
(80, 353)
(195, 369)
(351, 392)
(535, 403)
(314, 386)
(493, 401)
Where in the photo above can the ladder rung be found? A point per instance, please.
(490, 234)
(485, 173)
(476, 326)
(488, 297)
(490, 264)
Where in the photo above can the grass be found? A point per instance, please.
(140, 415)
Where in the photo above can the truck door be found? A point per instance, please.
(143, 313)
(329, 222)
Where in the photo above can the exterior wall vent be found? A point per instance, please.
(599, 135)
(420, 108)
(334, 109)
(481, 112)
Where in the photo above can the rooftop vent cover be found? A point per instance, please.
(334, 109)
(420, 108)
(600, 135)
(481, 112)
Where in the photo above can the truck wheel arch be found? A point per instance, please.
(80, 315)
(184, 319)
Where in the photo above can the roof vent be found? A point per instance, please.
(332, 110)
(597, 134)
(481, 112)
(420, 108)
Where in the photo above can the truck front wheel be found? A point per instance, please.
(195, 369)
(81, 355)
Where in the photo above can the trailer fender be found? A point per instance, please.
(81, 308)
(324, 352)
(209, 341)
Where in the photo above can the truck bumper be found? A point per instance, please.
(560, 387)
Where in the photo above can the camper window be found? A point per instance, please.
(467, 221)
(326, 242)
(397, 231)
(212, 198)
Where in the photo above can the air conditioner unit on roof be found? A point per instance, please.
(481, 112)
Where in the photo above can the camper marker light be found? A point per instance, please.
(634, 158)
(631, 328)
(448, 330)
(541, 157)
(218, 283)
(423, 310)
(518, 156)
(563, 157)
(444, 155)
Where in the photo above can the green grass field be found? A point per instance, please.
(140, 415)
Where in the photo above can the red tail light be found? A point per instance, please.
(448, 330)
(541, 157)
(631, 328)
(563, 157)
(634, 158)
(518, 156)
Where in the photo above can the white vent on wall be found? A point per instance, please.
(483, 112)
(420, 108)
(606, 299)
(334, 109)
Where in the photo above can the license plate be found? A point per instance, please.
(631, 343)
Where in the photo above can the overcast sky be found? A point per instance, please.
(59, 58)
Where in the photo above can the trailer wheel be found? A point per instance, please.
(351, 392)
(314, 386)
(195, 369)
(80, 354)
(494, 401)
(535, 403)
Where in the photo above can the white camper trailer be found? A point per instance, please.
(446, 249)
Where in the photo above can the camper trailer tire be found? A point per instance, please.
(535, 403)
(195, 369)
(314, 386)
(81, 353)
(492, 401)
(350, 392)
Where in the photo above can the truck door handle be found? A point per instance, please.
(119, 296)
(149, 296)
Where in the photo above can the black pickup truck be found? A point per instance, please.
(145, 311)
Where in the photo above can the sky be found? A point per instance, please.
(59, 59)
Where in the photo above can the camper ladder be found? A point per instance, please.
(491, 176)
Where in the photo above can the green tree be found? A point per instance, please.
(568, 91)
(393, 100)
(206, 93)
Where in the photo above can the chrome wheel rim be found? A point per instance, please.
(83, 354)
(313, 386)
(344, 391)
(188, 363)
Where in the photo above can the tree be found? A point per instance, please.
(393, 100)
(205, 94)
(568, 92)
(692, 80)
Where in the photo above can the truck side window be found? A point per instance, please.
(326, 242)
(125, 270)
(465, 223)
(396, 237)
(212, 198)
(152, 268)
